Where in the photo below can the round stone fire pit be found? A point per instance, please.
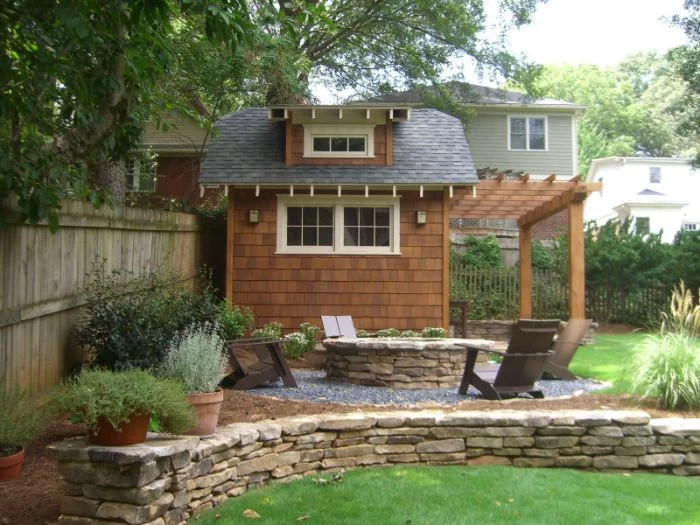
(399, 362)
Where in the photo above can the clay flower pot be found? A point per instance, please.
(128, 432)
(206, 407)
(11, 466)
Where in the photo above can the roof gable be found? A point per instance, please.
(431, 148)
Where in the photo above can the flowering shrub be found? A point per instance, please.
(294, 345)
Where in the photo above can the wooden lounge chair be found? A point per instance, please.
(338, 326)
(565, 347)
(527, 352)
(270, 364)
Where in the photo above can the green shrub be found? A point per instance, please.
(295, 345)
(668, 367)
(387, 332)
(310, 332)
(434, 332)
(22, 419)
(118, 395)
(129, 322)
(196, 358)
(361, 333)
(271, 330)
(234, 321)
(409, 333)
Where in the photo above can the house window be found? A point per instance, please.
(358, 225)
(339, 144)
(641, 225)
(527, 133)
(322, 140)
(655, 175)
(689, 227)
(140, 175)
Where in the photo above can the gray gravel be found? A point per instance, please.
(313, 386)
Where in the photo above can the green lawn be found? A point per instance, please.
(465, 495)
(609, 359)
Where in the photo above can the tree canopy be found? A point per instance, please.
(686, 60)
(78, 81)
(632, 109)
(80, 77)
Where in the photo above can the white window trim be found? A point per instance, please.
(327, 130)
(338, 203)
(527, 132)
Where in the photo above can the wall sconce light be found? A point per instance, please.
(253, 216)
(421, 217)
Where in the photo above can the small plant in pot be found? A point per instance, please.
(21, 421)
(198, 360)
(116, 407)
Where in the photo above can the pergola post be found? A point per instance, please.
(577, 273)
(525, 271)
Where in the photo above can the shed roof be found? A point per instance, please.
(431, 148)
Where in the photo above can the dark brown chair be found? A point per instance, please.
(338, 326)
(521, 365)
(268, 364)
(565, 347)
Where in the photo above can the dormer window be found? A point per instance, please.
(527, 133)
(321, 140)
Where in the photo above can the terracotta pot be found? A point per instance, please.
(206, 407)
(11, 466)
(129, 432)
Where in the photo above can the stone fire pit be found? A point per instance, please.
(399, 362)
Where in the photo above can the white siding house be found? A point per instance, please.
(661, 195)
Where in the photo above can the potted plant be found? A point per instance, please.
(116, 406)
(21, 420)
(198, 360)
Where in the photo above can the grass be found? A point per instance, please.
(609, 359)
(466, 495)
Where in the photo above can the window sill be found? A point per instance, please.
(333, 156)
(336, 254)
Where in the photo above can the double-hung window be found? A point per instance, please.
(527, 133)
(140, 175)
(361, 225)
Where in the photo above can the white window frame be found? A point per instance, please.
(654, 173)
(689, 226)
(136, 176)
(328, 130)
(338, 204)
(527, 132)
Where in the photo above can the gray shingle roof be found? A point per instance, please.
(473, 94)
(430, 148)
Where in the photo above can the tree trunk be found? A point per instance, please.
(112, 178)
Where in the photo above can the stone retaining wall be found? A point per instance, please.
(167, 481)
(399, 362)
(488, 329)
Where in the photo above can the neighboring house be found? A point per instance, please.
(346, 210)
(510, 132)
(173, 171)
(661, 195)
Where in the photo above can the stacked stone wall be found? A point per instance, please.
(167, 481)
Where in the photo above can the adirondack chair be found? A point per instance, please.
(338, 326)
(270, 364)
(565, 347)
(527, 352)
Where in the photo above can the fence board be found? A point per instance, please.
(42, 275)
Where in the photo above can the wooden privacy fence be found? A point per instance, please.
(492, 293)
(42, 275)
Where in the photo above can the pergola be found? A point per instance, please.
(508, 195)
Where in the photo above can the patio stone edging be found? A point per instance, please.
(170, 479)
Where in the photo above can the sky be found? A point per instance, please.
(601, 32)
